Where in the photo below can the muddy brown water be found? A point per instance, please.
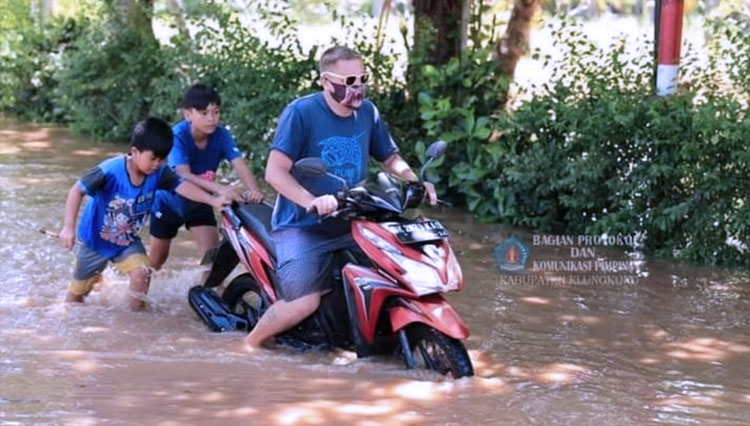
(653, 343)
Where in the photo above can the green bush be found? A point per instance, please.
(106, 85)
(592, 151)
(255, 79)
(596, 153)
(29, 63)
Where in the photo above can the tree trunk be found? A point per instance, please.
(176, 11)
(515, 42)
(40, 11)
(48, 9)
(465, 18)
(134, 15)
(437, 29)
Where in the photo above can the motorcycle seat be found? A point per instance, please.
(257, 217)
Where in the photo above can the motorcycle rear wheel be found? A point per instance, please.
(246, 298)
(434, 350)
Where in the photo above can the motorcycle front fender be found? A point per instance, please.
(432, 310)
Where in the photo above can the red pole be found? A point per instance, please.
(670, 39)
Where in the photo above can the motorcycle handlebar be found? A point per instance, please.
(415, 195)
(341, 199)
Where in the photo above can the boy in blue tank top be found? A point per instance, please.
(200, 145)
(122, 190)
(344, 129)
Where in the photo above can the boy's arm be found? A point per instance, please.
(195, 193)
(248, 179)
(72, 205)
(184, 172)
(397, 166)
(180, 157)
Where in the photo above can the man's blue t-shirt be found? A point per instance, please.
(118, 209)
(309, 128)
(202, 162)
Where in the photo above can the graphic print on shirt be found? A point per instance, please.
(121, 223)
(343, 156)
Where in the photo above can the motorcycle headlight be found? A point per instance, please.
(422, 278)
(379, 241)
(455, 276)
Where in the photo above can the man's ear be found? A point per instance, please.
(186, 113)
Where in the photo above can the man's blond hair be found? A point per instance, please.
(335, 54)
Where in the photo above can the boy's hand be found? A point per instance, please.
(253, 196)
(221, 201)
(67, 237)
(431, 193)
(231, 193)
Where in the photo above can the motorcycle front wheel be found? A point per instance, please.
(434, 350)
(246, 298)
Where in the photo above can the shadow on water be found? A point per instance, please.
(669, 347)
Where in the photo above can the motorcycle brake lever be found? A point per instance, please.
(444, 203)
(340, 212)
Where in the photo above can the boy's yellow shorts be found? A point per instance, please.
(90, 264)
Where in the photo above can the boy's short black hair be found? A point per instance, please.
(153, 134)
(200, 96)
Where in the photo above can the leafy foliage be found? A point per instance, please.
(592, 151)
(106, 85)
(29, 61)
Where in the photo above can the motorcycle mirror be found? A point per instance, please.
(436, 150)
(311, 167)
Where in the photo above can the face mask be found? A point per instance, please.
(348, 96)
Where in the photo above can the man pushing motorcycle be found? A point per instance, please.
(344, 129)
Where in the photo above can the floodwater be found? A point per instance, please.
(647, 342)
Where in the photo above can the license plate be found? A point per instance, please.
(417, 232)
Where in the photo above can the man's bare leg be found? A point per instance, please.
(280, 317)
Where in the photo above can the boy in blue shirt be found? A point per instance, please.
(122, 191)
(200, 144)
(344, 129)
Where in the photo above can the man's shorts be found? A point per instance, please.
(166, 221)
(305, 261)
(90, 264)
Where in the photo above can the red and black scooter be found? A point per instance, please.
(388, 298)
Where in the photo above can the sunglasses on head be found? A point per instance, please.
(350, 80)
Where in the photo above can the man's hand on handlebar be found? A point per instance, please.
(323, 205)
(430, 193)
